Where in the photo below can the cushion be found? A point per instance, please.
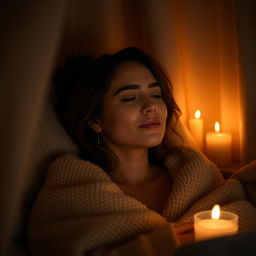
(52, 141)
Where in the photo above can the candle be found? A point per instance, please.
(196, 127)
(218, 146)
(215, 223)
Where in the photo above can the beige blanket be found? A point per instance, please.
(247, 176)
(80, 211)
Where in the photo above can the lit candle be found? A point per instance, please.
(196, 127)
(218, 146)
(215, 223)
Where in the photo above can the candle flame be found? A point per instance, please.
(197, 114)
(217, 127)
(216, 212)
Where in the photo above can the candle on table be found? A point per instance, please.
(196, 127)
(215, 223)
(218, 146)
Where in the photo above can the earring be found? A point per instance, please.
(98, 138)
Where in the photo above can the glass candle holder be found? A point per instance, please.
(207, 227)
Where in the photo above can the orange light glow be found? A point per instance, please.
(198, 114)
(217, 127)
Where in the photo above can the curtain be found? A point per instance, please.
(205, 46)
(30, 34)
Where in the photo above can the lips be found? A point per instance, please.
(151, 123)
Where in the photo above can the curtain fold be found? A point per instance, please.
(30, 33)
(246, 33)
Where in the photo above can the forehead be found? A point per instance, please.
(131, 73)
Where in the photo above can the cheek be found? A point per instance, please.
(119, 117)
(163, 111)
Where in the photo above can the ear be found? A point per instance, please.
(95, 125)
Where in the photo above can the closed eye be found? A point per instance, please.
(132, 98)
(157, 96)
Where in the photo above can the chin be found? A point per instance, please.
(153, 142)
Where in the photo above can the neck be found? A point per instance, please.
(133, 167)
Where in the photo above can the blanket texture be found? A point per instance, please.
(80, 211)
(247, 176)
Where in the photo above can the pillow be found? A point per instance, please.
(52, 141)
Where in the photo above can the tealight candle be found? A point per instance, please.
(215, 223)
(218, 146)
(196, 127)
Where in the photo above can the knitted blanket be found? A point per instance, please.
(80, 211)
(247, 176)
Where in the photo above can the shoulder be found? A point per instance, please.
(188, 151)
(70, 169)
(186, 154)
(188, 160)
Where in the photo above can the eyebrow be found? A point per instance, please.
(134, 86)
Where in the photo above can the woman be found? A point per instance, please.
(131, 191)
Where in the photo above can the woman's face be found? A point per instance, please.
(134, 113)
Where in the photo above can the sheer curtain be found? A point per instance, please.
(205, 46)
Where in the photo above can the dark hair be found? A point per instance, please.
(81, 85)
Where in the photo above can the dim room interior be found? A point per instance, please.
(207, 48)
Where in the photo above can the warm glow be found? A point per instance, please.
(217, 127)
(197, 114)
(216, 212)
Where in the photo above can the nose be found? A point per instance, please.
(149, 108)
